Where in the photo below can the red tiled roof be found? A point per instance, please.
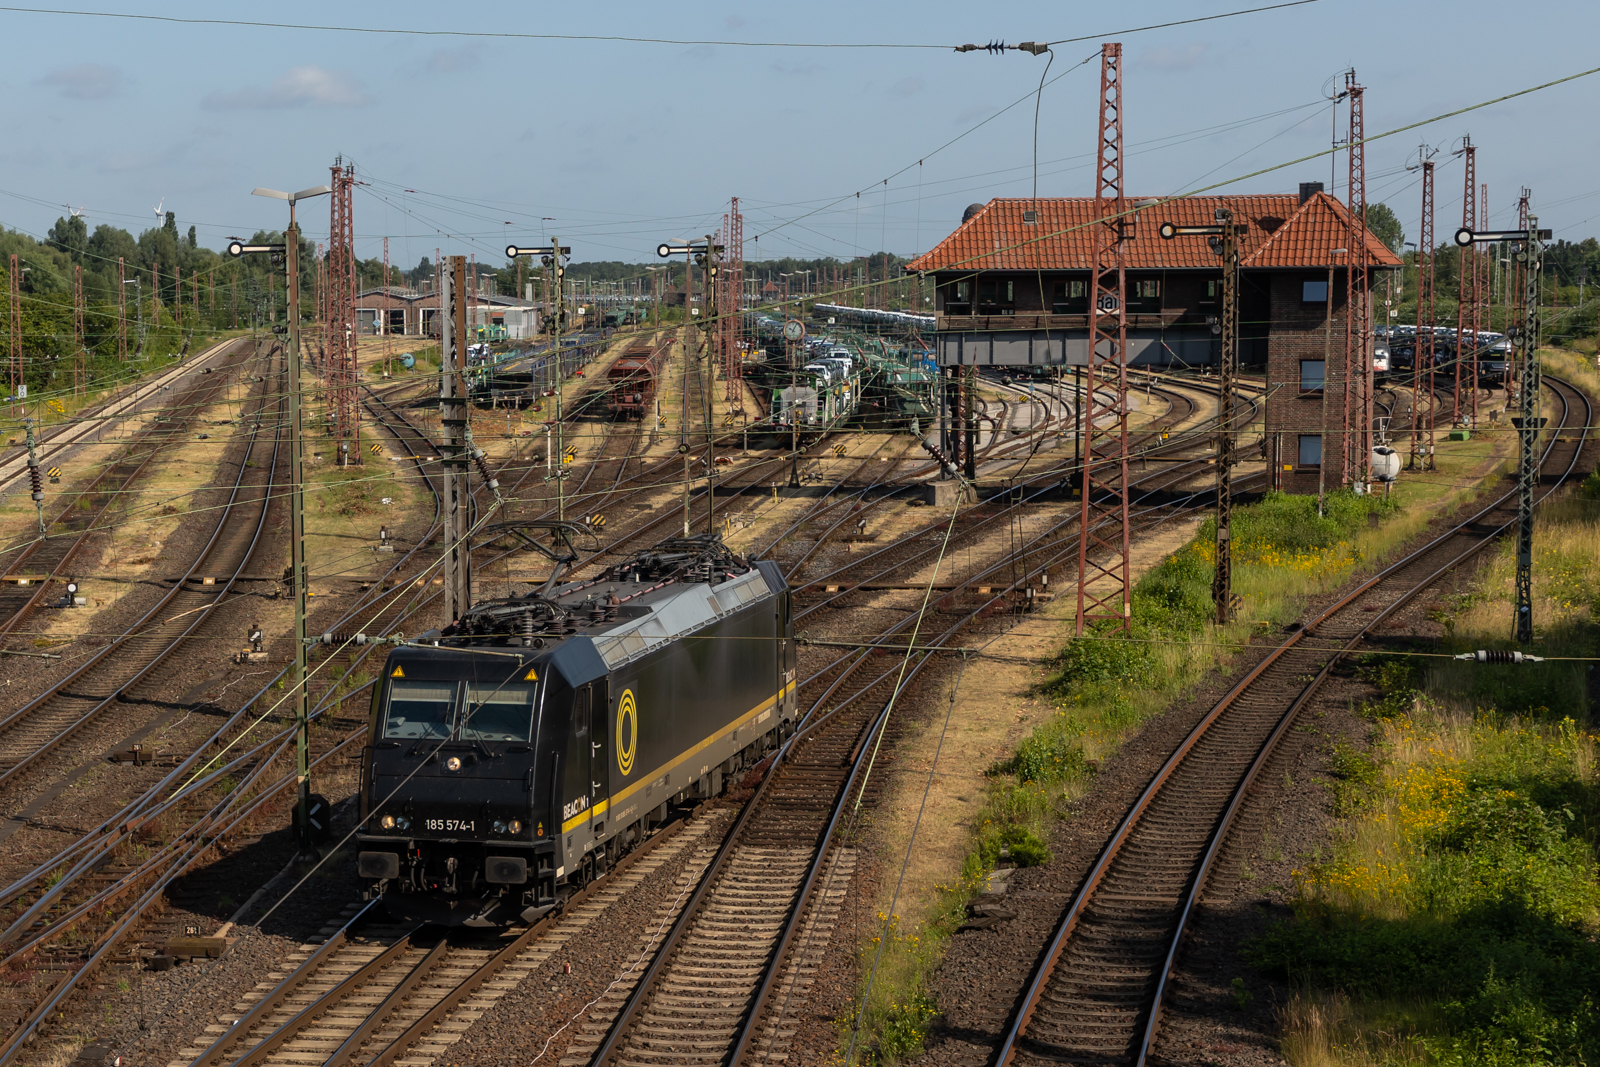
(1279, 232)
(1321, 225)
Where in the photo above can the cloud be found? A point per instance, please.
(85, 81)
(907, 86)
(455, 60)
(974, 113)
(736, 23)
(308, 86)
(1168, 58)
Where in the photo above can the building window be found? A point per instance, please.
(1144, 294)
(1071, 297)
(958, 298)
(1314, 292)
(1312, 372)
(996, 297)
(1311, 450)
(1210, 289)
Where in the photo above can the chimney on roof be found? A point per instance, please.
(1309, 189)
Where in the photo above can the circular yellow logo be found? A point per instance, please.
(627, 732)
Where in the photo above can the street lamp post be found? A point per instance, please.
(290, 251)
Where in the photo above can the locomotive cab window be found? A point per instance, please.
(498, 713)
(419, 710)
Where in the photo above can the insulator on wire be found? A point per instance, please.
(1499, 655)
(338, 638)
(36, 480)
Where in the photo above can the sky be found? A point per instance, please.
(466, 144)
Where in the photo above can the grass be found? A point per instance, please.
(1455, 915)
(1454, 918)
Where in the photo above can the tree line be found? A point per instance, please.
(150, 297)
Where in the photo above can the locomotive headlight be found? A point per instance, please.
(453, 763)
(402, 822)
(499, 826)
(515, 826)
(387, 822)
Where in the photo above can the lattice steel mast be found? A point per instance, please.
(15, 278)
(1531, 258)
(341, 332)
(1467, 290)
(78, 350)
(1224, 240)
(730, 293)
(1356, 450)
(1527, 246)
(1103, 589)
(1422, 360)
(122, 309)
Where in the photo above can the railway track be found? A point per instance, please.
(47, 723)
(767, 906)
(56, 444)
(880, 565)
(114, 673)
(375, 993)
(832, 687)
(43, 563)
(1096, 993)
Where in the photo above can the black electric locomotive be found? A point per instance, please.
(518, 754)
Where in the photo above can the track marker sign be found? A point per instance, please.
(376, 450)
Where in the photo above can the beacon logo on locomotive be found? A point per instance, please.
(627, 732)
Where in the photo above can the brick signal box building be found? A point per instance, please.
(1012, 290)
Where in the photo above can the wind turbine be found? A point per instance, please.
(160, 218)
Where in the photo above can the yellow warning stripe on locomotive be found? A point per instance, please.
(599, 809)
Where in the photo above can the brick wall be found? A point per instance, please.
(1300, 331)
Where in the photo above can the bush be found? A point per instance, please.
(1045, 756)
(1468, 883)
(1591, 486)
(1024, 847)
(1175, 597)
(903, 1029)
(1101, 660)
